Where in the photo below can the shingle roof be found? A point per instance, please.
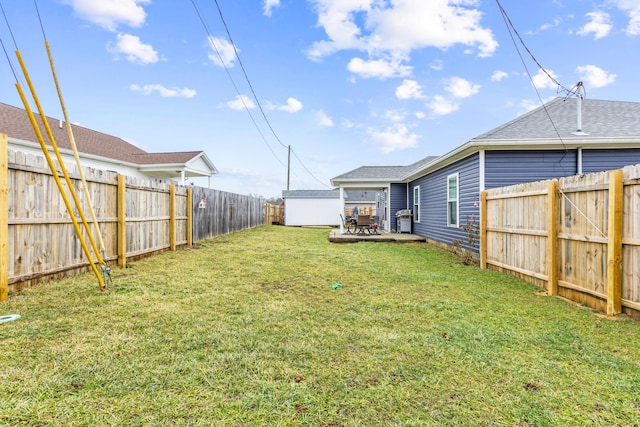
(310, 194)
(558, 118)
(384, 173)
(15, 123)
(162, 158)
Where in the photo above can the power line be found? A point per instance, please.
(568, 92)
(511, 26)
(258, 103)
(235, 86)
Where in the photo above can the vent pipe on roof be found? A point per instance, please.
(579, 131)
(60, 124)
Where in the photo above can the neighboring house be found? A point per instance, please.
(102, 151)
(311, 207)
(545, 143)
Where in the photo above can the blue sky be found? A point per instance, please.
(345, 83)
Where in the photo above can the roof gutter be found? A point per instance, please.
(475, 145)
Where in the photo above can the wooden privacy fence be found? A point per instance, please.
(274, 214)
(217, 212)
(137, 217)
(578, 237)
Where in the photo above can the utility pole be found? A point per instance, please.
(289, 168)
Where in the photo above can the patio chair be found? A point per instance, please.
(348, 224)
(363, 222)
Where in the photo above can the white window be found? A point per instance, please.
(452, 200)
(416, 204)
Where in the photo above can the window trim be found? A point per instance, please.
(455, 176)
(416, 211)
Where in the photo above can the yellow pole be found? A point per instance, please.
(61, 163)
(4, 218)
(72, 140)
(54, 172)
(614, 246)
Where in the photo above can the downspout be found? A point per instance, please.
(579, 161)
(407, 207)
(481, 170)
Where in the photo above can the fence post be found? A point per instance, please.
(267, 213)
(172, 216)
(4, 218)
(614, 245)
(552, 238)
(189, 216)
(483, 229)
(122, 221)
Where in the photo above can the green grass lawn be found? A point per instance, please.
(251, 329)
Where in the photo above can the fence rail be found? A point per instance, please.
(578, 237)
(137, 217)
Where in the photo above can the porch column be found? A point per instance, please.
(341, 213)
(387, 208)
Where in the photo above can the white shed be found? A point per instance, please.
(312, 207)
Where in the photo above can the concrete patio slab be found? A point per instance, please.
(336, 237)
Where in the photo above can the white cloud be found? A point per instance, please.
(393, 29)
(349, 124)
(221, 52)
(409, 89)
(441, 106)
(379, 68)
(527, 105)
(461, 88)
(437, 65)
(599, 26)
(395, 137)
(269, 5)
(555, 23)
(498, 76)
(240, 103)
(595, 76)
(293, 106)
(542, 80)
(632, 8)
(134, 50)
(163, 91)
(323, 119)
(110, 14)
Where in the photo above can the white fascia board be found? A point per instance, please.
(202, 157)
(357, 184)
(474, 146)
(65, 151)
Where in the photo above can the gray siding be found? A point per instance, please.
(433, 200)
(603, 160)
(509, 167)
(397, 200)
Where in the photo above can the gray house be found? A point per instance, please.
(562, 138)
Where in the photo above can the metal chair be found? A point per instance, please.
(348, 224)
(363, 222)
